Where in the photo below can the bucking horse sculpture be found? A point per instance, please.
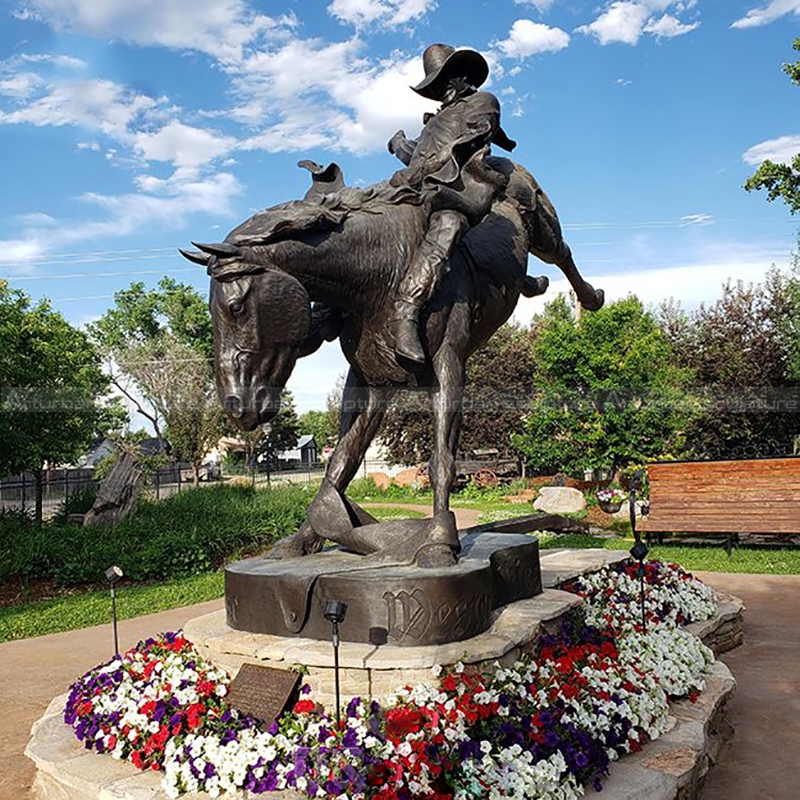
(348, 249)
(454, 228)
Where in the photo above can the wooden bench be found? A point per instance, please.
(760, 496)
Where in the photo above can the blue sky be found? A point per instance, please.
(129, 127)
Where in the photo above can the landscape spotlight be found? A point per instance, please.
(639, 550)
(113, 574)
(335, 612)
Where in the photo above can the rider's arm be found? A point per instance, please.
(402, 147)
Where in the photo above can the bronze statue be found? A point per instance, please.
(411, 275)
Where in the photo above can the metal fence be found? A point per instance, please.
(300, 473)
(18, 492)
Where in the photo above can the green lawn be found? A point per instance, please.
(712, 558)
(83, 609)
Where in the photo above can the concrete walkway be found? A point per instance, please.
(34, 671)
(763, 760)
(761, 763)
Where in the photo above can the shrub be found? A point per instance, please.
(78, 502)
(191, 532)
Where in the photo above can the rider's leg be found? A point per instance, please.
(430, 264)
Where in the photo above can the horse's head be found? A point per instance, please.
(261, 316)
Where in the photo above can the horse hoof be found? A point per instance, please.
(534, 287)
(431, 556)
(601, 299)
(595, 302)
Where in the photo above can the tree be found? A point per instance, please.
(161, 342)
(743, 351)
(53, 390)
(497, 395)
(318, 424)
(181, 380)
(280, 434)
(782, 181)
(607, 392)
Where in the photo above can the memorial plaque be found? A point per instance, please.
(262, 692)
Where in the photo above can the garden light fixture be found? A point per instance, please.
(639, 550)
(113, 574)
(335, 612)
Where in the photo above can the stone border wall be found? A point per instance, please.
(671, 768)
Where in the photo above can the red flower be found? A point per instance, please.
(449, 683)
(402, 721)
(193, 715)
(570, 690)
(303, 707)
(564, 664)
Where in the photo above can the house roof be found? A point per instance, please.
(306, 440)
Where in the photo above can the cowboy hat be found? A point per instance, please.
(442, 62)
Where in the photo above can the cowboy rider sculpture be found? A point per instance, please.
(446, 164)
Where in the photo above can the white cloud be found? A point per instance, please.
(527, 38)
(94, 104)
(21, 252)
(691, 283)
(697, 219)
(18, 79)
(165, 203)
(222, 28)
(781, 151)
(36, 219)
(668, 26)
(388, 13)
(309, 94)
(542, 6)
(68, 62)
(756, 17)
(21, 86)
(182, 145)
(626, 20)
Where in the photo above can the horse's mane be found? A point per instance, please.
(318, 214)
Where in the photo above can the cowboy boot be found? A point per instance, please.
(404, 329)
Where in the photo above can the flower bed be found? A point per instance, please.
(593, 690)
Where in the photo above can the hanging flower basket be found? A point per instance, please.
(611, 500)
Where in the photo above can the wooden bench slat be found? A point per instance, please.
(750, 496)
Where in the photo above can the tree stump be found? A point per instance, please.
(118, 495)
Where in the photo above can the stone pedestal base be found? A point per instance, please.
(388, 603)
(378, 671)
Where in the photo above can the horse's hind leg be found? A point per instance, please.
(548, 245)
(591, 299)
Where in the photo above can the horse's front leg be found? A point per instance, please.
(362, 410)
(447, 395)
